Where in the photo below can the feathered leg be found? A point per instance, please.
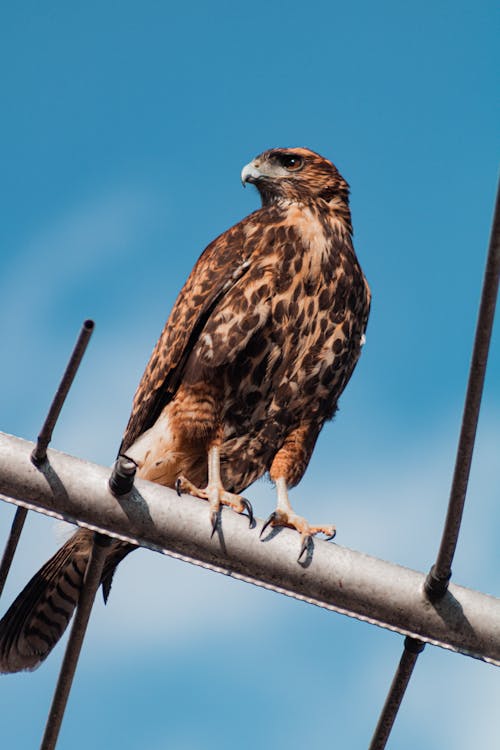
(286, 471)
(214, 492)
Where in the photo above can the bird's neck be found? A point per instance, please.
(339, 211)
(334, 211)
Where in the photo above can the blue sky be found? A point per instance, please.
(123, 131)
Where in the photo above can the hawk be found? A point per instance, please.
(260, 344)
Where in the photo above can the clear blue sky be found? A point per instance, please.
(124, 127)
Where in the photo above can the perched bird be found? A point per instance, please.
(260, 344)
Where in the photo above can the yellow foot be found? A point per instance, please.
(217, 496)
(290, 519)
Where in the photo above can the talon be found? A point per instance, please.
(249, 509)
(178, 485)
(304, 546)
(269, 521)
(332, 536)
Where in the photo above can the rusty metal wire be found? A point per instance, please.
(412, 649)
(45, 435)
(91, 584)
(11, 545)
(440, 573)
(39, 453)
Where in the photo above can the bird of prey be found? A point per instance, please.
(259, 345)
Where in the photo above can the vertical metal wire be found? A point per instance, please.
(440, 573)
(436, 583)
(40, 452)
(91, 584)
(11, 546)
(412, 649)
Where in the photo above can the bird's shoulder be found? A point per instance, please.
(233, 256)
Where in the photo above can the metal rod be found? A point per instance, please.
(332, 576)
(11, 545)
(122, 477)
(45, 436)
(73, 648)
(40, 451)
(412, 649)
(440, 573)
(437, 581)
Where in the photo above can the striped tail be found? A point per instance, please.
(39, 616)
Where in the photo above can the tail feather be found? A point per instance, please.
(36, 620)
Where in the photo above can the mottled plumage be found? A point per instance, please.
(260, 344)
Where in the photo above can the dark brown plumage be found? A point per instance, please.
(260, 344)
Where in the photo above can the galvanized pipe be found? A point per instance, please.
(332, 577)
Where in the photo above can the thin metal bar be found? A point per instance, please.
(437, 580)
(73, 648)
(39, 453)
(11, 545)
(440, 573)
(45, 436)
(412, 649)
(332, 576)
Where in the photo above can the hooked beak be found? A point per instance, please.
(250, 173)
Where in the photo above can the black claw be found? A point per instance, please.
(178, 484)
(269, 521)
(329, 538)
(248, 509)
(214, 517)
(304, 546)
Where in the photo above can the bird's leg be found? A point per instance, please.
(214, 492)
(284, 515)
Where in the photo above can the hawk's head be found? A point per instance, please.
(295, 174)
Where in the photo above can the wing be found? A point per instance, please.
(210, 287)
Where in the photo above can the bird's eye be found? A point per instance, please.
(292, 162)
